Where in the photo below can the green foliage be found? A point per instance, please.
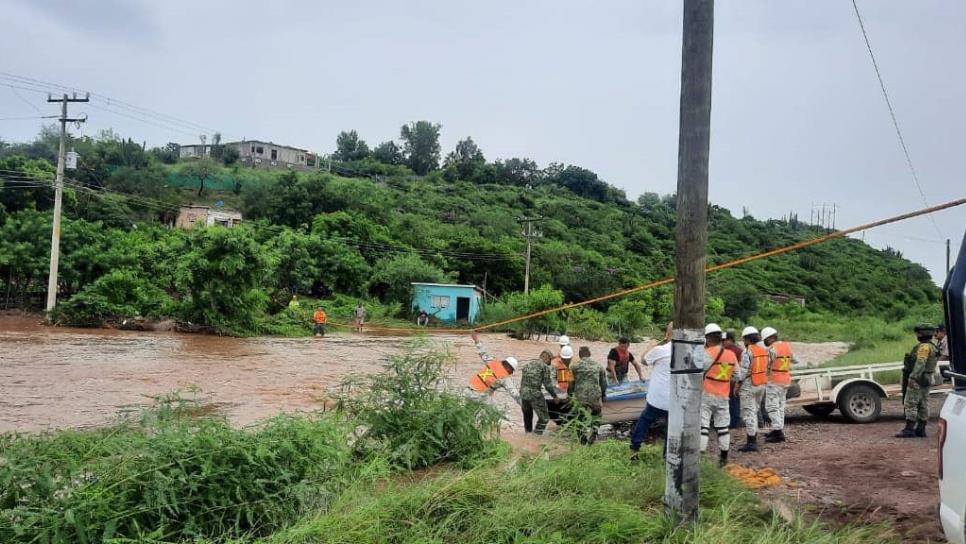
(407, 415)
(515, 304)
(113, 296)
(169, 477)
(740, 301)
(349, 147)
(388, 153)
(219, 278)
(421, 146)
(392, 277)
(585, 495)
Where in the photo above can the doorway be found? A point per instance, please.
(462, 308)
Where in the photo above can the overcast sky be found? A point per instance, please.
(797, 114)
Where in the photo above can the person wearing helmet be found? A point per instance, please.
(564, 340)
(718, 375)
(494, 375)
(590, 391)
(561, 367)
(779, 379)
(918, 368)
(753, 375)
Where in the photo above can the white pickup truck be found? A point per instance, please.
(952, 419)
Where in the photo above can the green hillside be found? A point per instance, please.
(373, 225)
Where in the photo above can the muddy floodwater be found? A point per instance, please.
(54, 377)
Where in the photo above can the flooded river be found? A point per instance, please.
(54, 377)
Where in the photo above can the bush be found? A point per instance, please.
(407, 415)
(116, 295)
(169, 477)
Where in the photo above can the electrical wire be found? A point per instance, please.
(892, 114)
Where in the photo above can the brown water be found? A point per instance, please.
(53, 377)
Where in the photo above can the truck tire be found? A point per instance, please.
(860, 403)
(821, 409)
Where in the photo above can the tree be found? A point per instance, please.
(204, 170)
(740, 301)
(388, 153)
(392, 278)
(230, 155)
(466, 152)
(169, 154)
(421, 146)
(519, 172)
(349, 147)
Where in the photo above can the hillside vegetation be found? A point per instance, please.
(390, 216)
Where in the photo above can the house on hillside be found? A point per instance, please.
(259, 154)
(189, 216)
(448, 302)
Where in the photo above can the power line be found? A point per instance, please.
(25, 101)
(28, 117)
(892, 114)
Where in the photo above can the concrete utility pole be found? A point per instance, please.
(691, 237)
(529, 234)
(58, 196)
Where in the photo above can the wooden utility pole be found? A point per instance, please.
(947, 256)
(691, 237)
(58, 196)
(529, 234)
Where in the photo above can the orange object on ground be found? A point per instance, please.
(755, 478)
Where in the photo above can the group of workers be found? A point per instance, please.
(761, 370)
(319, 317)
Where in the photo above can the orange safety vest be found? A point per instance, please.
(319, 317)
(565, 376)
(781, 369)
(759, 364)
(483, 380)
(717, 379)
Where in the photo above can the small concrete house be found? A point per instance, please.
(189, 216)
(259, 154)
(448, 302)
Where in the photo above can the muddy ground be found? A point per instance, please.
(55, 378)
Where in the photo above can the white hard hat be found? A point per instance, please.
(768, 332)
(748, 331)
(564, 340)
(711, 328)
(566, 352)
(512, 361)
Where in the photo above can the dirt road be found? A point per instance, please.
(856, 474)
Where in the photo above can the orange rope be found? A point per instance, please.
(708, 269)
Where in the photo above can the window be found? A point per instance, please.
(260, 150)
(274, 154)
(439, 302)
(253, 148)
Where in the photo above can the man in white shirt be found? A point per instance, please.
(658, 392)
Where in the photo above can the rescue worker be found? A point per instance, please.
(319, 318)
(753, 374)
(619, 361)
(718, 374)
(734, 401)
(919, 365)
(779, 380)
(535, 377)
(561, 368)
(942, 342)
(293, 304)
(658, 392)
(494, 375)
(590, 390)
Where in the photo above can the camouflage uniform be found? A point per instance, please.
(590, 386)
(921, 362)
(536, 377)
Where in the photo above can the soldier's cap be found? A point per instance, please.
(940, 328)
(925, 327)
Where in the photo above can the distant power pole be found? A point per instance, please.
(691, 237)
(529, 234)
(59, 195)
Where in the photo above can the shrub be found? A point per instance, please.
(116, 295)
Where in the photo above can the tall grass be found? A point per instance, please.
(587, 495)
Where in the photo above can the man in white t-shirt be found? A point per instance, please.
(658, 392)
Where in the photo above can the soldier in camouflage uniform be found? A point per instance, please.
(536, 377)
(919, 366)
(590, 390)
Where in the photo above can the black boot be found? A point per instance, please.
(909, 431)
(750, 445)
(723, 458)
(921, 429)
(775, 436)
